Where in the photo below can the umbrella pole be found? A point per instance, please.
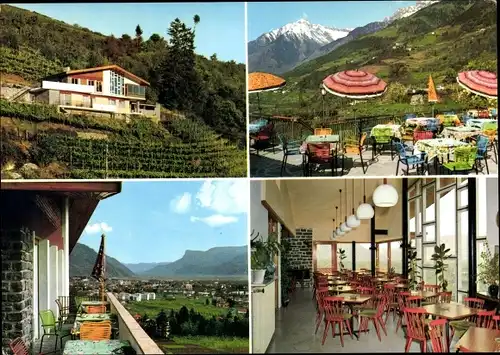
(258, 104)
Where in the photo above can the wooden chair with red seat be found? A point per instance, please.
(96, 309)
(432, 288)
(357, 147)
(495, 322)
(420, 135)
(95, 330)
(392, 301)
(415, 327)
(414, 301)
(401, 306)
(321, 154)
(375, 315)
(445, 297)
(18, 347)
(335, 313)
(321, 293)
(437, 336)
(482, 319)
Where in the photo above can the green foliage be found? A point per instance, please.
(342, 256)
(413, 268)
(285, 266)
(263, 251)
(489, 272)
(396, 92)
(440, 257)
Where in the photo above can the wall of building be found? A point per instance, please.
(106, 78)
(492, 212)
(258, 213)
(277, 198)
(17, 286)
(300, 252)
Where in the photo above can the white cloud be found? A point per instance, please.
(102, 227)
(181, 203)
(215, 220)
(224, 196)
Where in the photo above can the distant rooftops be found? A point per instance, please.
(69, 71)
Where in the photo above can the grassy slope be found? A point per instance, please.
(463, 32)
(182, 344)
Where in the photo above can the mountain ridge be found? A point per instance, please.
(82, 260)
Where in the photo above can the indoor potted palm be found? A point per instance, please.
(440, 257)
(489, 271)
(262, 256)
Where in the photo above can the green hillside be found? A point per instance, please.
(208, 95)
(439, 40)
(82, 260)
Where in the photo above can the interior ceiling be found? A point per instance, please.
(313, 204)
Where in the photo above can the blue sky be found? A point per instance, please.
(221, 29)
(263, 17)
(154, 221)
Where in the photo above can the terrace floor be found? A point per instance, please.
(268, 164)
(295, 327)
(49, 343)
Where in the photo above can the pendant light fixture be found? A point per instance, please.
(338, 231)
(365, 210)
(352, 220)
(344, 227)
(334, 234)
(385, 195)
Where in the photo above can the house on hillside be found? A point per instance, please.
(109, 90)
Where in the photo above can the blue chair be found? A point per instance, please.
(289, 148)
(413, 160)
(432, 125)
(482, 151)
(409, 115)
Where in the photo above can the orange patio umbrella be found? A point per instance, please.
(432, 96)
(258, 82)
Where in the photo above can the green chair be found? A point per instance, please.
(382, 137)
(52, 327)
(490, 126)
(465, 160)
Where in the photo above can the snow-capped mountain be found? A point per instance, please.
(306, 31)
(409, 10)
(283, 48)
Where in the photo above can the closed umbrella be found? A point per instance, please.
(355, 84)
(479, 82)
(258, 82)
(432, 96)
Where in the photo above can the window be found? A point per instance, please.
(363, 256)
(382, 257)
(324, 257)
(447, 220)
(117, 84)
(98, 86)
(111, 102)
(65, 99)
(74, 81)
(348, 253)
(91, 82)
(396, 257)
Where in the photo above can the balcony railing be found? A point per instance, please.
(130, 330)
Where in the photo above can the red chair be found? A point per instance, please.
(484, 319)
(415, 331)
(474, 302)
(432, 288)
(419, 135)
(321, 293)
(401, 305)
(18, 347)
(375, 315)
(414, 301)
(438, 336)
(392, 302)
(335, 314)
(445, 297)
(319, 153)
(495, 322)
(420, 286)
(465, 350)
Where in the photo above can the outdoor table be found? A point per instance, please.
(420, 121)
(74, 347)
(479, 122)
(437, 149)
(480, 340)
(460, 133)
(396, 130)
(333, 139)
(450, 311)
(453, 118)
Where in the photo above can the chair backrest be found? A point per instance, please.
(362, 139)
(484, 319)
(445, 297)
(415, 321)
(473, 302)
(321, 293)
(414, 301)
(95, 330)
(18, 347)
(487, 126)
(48, 320)
(401, 150)
(380, 303)
(419, 135)
(60, 307)
(322, 131)
(437, 334)
(334, 306)
(96, 309)
(482, 144)
(319, 150)
(495, 322)
(432, 288)
(363, 290)
(466, 155)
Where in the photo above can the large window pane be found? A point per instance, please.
(447, 220)
(363, 256)
(348, 253)
(451, 276)
(463, 251)
(418, 245)
(429, 203)
(429, 233)
(396, 257)
(382, 257)
(463, 199)
(429, 276)
(324, 257)
(428, 251)
(481, 207)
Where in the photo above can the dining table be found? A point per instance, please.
(450, 311)
(461, 132)
(337, 282)
(438, 149)
(101, 347)
(396, 129)
(333, 139)
(480, 340)
(479, 122)
(341, 289)
(351, 300)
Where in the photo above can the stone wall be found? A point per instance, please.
(300, 253)
(17, 286)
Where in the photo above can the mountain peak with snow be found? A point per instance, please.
(409, 10)
(303, 30)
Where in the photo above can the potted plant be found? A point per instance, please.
(262, 256)
(439, 257)
(342, 256)
(413, 268)
(285, 273)
(391, 273)
(489, 271)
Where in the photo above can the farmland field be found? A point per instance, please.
(205, 344)
(153, 307)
